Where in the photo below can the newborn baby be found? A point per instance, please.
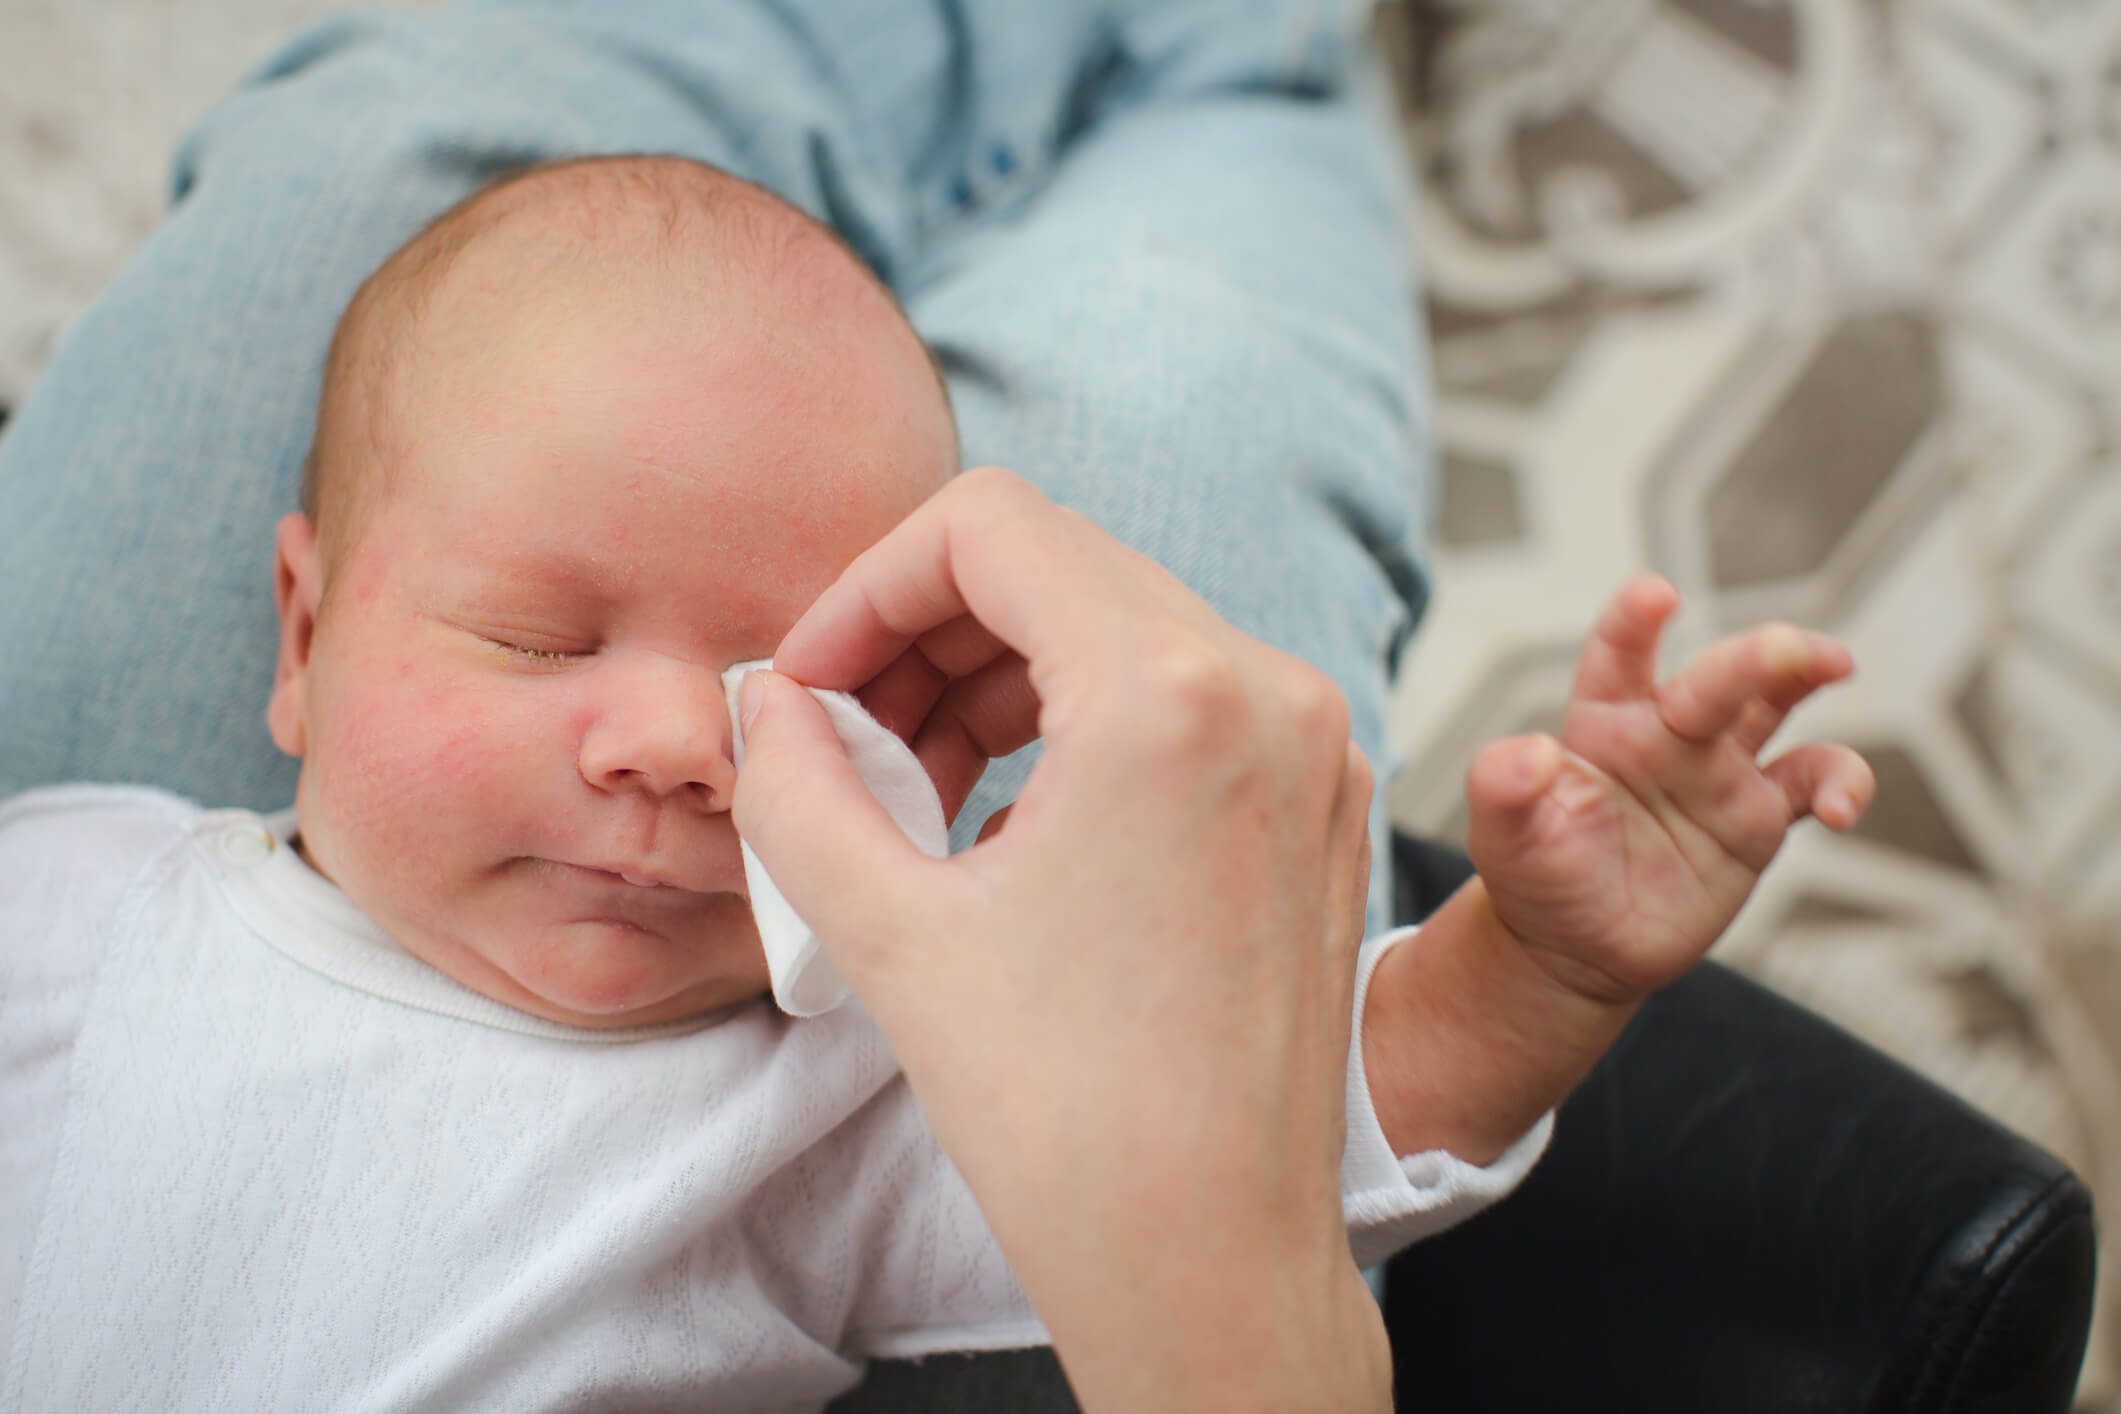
(593, 438)
(453, 1087)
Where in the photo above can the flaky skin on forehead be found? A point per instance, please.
(646, 215)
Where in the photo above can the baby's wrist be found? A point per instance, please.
(1468, 1040)
(1622, 976)
(1550, 980)
(1580, 980)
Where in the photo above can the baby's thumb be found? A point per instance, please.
(833, 851)
(1505, 785)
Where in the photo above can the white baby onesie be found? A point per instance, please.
(254, 1155)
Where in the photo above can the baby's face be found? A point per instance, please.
(516, 749)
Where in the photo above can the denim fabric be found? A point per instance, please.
(1159, 248)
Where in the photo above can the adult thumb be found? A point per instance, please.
(830, 846)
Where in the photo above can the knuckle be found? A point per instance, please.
(1362, 778)
(991, 496)
(1755, 818)
(1195, 692)
(985, 482)
(1758, 842)
(1315, 704)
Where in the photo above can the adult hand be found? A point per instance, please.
(1126, 1013)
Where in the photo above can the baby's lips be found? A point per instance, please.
(713, 866)
(648, 881)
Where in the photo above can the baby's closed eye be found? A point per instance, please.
(535, 653)
(523, 635)
(526, 641)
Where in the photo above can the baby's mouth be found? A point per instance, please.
(652, 883)
(637, 880)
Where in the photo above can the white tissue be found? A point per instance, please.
(805, 983)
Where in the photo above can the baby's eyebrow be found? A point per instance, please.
(562, 569)
(520, 595)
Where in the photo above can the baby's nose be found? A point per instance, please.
(666, 732)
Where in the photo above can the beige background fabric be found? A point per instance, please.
(1813, 306)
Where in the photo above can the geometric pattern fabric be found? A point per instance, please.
(1814, 307)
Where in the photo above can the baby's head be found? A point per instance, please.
(591, 438)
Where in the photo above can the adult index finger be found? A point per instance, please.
(1043, 581)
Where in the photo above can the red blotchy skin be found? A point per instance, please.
(510, 699)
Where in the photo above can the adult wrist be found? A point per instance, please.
(1271, 1346)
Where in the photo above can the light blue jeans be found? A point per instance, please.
(1159, 248)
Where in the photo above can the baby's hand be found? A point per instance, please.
(1618, 854)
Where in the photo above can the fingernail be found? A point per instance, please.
(748, 698)
(1784, 649)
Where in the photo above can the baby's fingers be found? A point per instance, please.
(1826, 780)
(1776, 666)
(1619, 660)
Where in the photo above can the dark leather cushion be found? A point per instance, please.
(996, 1382)
(1746, 1209)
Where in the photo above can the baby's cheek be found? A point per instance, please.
(482, 751)
(431, 746)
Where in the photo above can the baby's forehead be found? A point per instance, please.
(725, 260)
(650, 225)
(592, 269)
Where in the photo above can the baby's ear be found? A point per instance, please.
(297, 589)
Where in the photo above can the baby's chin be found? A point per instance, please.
(607, 974)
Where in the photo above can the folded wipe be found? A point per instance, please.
(805, 983)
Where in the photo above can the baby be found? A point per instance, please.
(584, 444)
(453, 1087)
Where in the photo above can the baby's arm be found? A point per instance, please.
(1609, 861)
